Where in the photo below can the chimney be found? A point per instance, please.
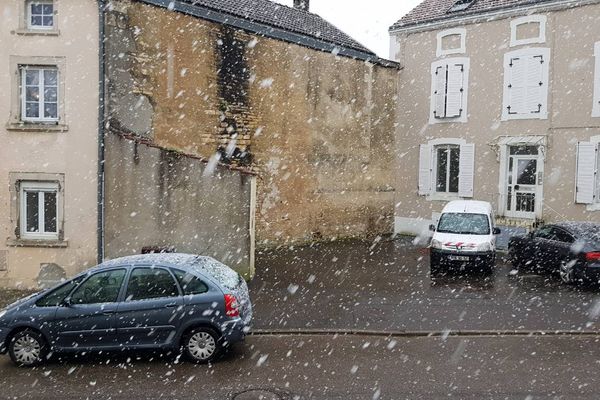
(301, 4)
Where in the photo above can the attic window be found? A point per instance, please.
(461, 5)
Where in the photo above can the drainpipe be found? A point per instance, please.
(101, 109)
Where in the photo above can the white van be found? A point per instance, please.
(465, 236)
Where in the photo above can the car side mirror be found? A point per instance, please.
(497, 231)
(66, 302)
(432, 228)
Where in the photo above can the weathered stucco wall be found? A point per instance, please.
(163, 199)
(570, 35)
(319, 129)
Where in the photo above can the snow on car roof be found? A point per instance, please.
(468, 206)
(203, 264)
(581, 229)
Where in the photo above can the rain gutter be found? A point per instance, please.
(271, 32)
(101, 110)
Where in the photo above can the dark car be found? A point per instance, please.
(156, 301)
(570, 249)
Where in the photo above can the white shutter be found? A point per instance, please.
(440, 92)
(517, 85)
(534, 83)
(466, 170)
(587, 156)
(424, 170)
(454, 91)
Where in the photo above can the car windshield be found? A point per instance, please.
(465, 224)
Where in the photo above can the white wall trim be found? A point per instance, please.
(465, 61)
(529, 19)
(462, 32)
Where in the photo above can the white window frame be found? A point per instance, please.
(506, 99)
(434, 170)
(465, 62)
(440, 51)
(40, 187)
(42, 86)
(529, 19)
(596, 104)
(28, 15)
(429, 164)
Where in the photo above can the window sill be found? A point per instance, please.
(443, 197)
(460, 120)
(36, 127)
(37, 32)
(593, 207)
(37, 243)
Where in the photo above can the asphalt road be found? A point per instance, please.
(386, 286)
(329, 367)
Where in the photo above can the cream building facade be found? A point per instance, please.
(498, 101)
(49, 100)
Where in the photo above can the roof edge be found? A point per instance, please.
(271, 31)
(491, 14)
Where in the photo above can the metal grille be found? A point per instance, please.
(525, 202)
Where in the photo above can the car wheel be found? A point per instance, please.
(27, 348)
(201, 345)
(567, 275)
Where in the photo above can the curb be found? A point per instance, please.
(418, 334)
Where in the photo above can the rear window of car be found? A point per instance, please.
(190, 283)
(464, 224)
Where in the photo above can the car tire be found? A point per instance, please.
(27, 348)
(201, 345)
(567, 273)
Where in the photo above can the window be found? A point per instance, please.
(102, 287)
(447, 159)
(190, 284)
(150, 283)
(461, 5)
(587, 187)
(40, 14)
(55, 297)
(449, 82)
(451, 41)
(39, 210)
(446, 168)
(596, 101)
(39, 94)
(527, 30)
(526, 84)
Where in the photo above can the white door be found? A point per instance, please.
(523, 182)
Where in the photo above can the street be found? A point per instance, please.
(355, 321)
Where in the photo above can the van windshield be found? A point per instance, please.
(464, 224)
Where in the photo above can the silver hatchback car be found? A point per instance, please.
(155, 301)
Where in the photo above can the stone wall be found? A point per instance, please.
(163, 199)
(316, 127)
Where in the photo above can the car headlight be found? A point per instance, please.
(436, 244)
(484, 247)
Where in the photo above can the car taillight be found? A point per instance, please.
(592, 256)
(231, 306)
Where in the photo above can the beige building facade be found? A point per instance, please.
(49, 133)
(498, 104)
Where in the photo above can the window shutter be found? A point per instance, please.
(454, 91)
(517, 85)
(587, 155)
(439, 77)
(466, 170)
(424, 170)
(534, 83)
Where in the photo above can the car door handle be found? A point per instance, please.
(171, 305)
(107, 312)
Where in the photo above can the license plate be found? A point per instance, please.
(458, 258)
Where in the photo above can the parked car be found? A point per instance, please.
(569, 249)
(465, 237)
(155, 301)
